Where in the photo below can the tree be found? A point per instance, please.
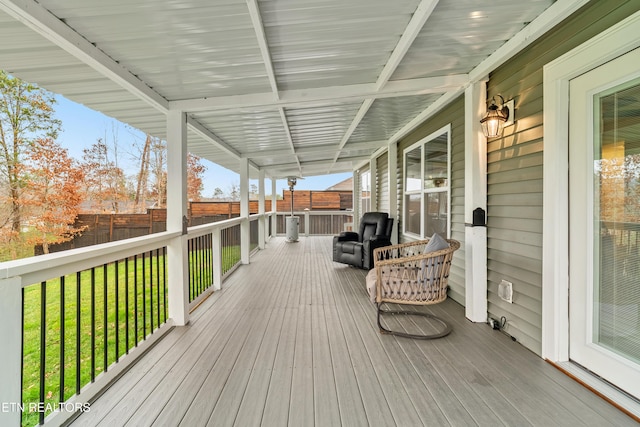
(158, 161)
(26, 115)
(53, 194)
(195, 169)
(218, 193)
(234, 192)
(105, 182)
(142, 189)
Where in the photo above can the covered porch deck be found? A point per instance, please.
(291, 339)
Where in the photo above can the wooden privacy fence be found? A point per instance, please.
(104, 228)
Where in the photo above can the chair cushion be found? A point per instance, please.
(436, 243)
(429, 268)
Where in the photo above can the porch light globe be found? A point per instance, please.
(493, 121)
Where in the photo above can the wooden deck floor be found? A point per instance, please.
(291, 340)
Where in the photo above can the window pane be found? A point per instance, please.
(435, 221)
(412, 213)
(412, 163)
(436, 162)
(617, 224)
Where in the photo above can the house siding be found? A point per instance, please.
(382, 182)
(515, 170)
(452, 114)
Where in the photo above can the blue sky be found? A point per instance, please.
(81, 127)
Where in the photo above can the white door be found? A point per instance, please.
(604, 221)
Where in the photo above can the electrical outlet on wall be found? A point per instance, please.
(505, 291)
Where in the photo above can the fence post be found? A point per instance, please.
(11, 354)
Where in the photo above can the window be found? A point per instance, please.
(365, 191)
(427, 176)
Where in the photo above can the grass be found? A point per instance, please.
(93, 340)
(19, 248)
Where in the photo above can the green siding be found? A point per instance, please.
(515, 168)
(453, 114)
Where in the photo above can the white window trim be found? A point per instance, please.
(409, 235)
(364, 179)
(612, 43)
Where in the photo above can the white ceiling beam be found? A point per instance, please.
(316, 149)
(258, 27)
(205, 133)
(287, 131)
(352, 127)
(43, 22)
(419, 17)
(322, 163)
(413, 28)
(431, 110)
(323, 95)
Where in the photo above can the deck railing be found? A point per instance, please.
(317, 222)
(71, 322)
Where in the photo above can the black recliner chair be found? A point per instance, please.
(357, 248)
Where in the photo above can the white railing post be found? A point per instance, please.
(307, 224)
(217, 259)
(274, 208)
(177, 217)
(245, 227)
(261, 209)
(11, 354)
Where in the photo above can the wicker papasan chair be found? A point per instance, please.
(414, 273)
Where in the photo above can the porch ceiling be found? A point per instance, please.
(300, 87)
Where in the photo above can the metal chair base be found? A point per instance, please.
(446, 328)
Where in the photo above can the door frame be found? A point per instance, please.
(610, 44)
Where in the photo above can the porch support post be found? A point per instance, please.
(217, 259)
(244, 211)
(356, 199)
(177, 216)
(392, 154)
(475, 189)
(274, 207)
(373, 195)
(262, 221)
(11, 354)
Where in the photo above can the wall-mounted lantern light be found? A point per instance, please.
(497, 117)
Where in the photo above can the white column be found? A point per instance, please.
(373, 188)
(274, 207)
(262, 238)
(11, 354)
(356, 200)
(217, 259)
(244, 211)
(177, 216)
(475, 192)
(393, 189)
